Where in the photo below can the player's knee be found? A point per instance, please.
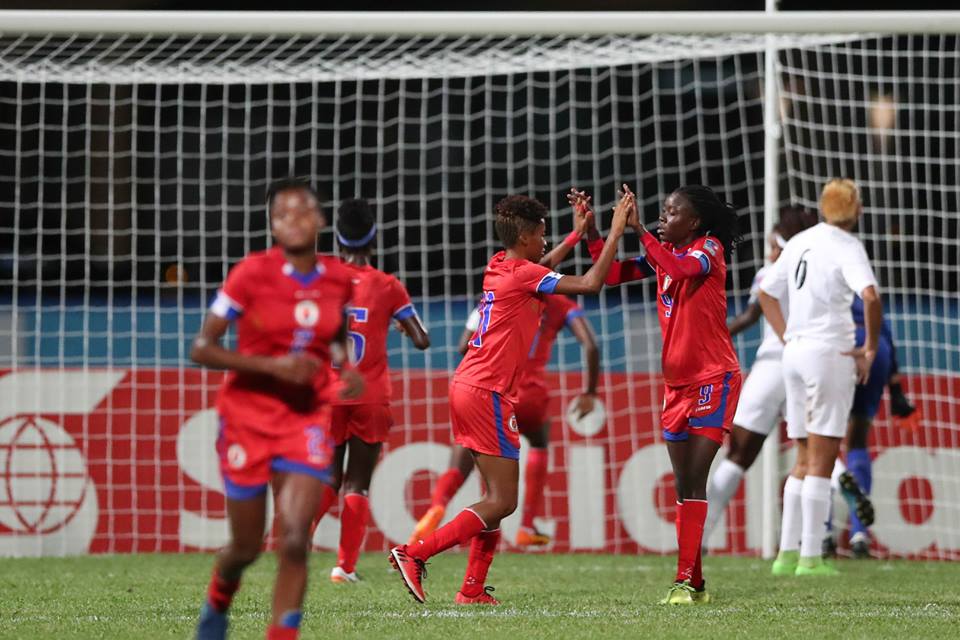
(294, 545)
(243, 553)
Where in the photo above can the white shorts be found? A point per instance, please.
(762, 398)
(819, 383)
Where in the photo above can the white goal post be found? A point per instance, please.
(135, 147)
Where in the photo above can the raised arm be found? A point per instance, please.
(593, 280)
(677, 267)
(620, 272)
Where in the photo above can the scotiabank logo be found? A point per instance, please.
(48, 503)
(116, 461)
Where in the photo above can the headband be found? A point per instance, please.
(362, 242)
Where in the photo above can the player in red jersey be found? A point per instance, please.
(288, 304)
(483, 392)
(700, 369)
(362, 424)
(532, 419)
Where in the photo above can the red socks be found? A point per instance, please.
(447, 486)
(353, 527)
(482, 550)
(535, 476)
(326, 501)
(692, 514)
(282, 633)
(465, 526)
(220, 592)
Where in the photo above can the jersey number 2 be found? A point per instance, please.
(486, 308)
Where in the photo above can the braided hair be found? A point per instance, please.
(515, 215)
(717, 217)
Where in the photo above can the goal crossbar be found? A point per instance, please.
(457, 22)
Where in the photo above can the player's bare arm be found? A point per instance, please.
(746, 319)
(583, 332)
(773, 313)
(208, 351)
(872, 319)
(353, 383)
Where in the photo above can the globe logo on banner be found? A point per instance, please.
(48, 502)
(43, 476)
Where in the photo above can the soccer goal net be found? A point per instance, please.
(132, 176)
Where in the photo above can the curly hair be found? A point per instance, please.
(515, 215)
(717, 217)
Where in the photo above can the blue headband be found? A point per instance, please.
(362, 242)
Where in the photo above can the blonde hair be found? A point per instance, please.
(840, 201)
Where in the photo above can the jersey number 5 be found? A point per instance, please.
(359, 342)
(486, 308)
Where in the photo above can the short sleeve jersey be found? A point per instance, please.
(378, 300)
(819, 272)
(510, 310)
(771, 347)
(693, 317)
(277, 311)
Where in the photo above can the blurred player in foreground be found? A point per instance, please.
(274, 405)
(483, 392)
(819, 272)
(361, 425)
(698, 232)
(532, 418)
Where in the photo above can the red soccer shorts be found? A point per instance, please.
(248, 457)
(483, 421)
(705, 408)
(369, 422)
(532, 408)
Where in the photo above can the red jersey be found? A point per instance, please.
(279, 311)
(510, 310)
(692, 306)
(378, 299)
(558, 311)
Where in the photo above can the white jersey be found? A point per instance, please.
(771, 347)
(819, 272)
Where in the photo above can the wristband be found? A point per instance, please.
(573, 239)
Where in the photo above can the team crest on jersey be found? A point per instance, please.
(236, 456)
(666, 282)
(512, 423)
(710, 247)
(306, 313)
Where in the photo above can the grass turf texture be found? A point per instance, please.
(567, 596)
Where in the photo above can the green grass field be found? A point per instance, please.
(143, 597)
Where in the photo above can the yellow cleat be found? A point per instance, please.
(681, 593)
(427, 524)
(531, 538)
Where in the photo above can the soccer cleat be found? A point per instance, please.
(212, 625)
(339, 576)
(701, 596)
(483, 598)
(856, 500)
(828, 548)
(815, 567)
(530, 537)
(411, 570)
(786, 563)
(427, 524)
(680, 593)
(860, 546)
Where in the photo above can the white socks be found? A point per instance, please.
(815, 501)
(723, 485)
(790, 526)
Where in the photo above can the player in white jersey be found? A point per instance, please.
(763, 395)
(819, 272)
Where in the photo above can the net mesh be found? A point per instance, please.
(133, 173)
